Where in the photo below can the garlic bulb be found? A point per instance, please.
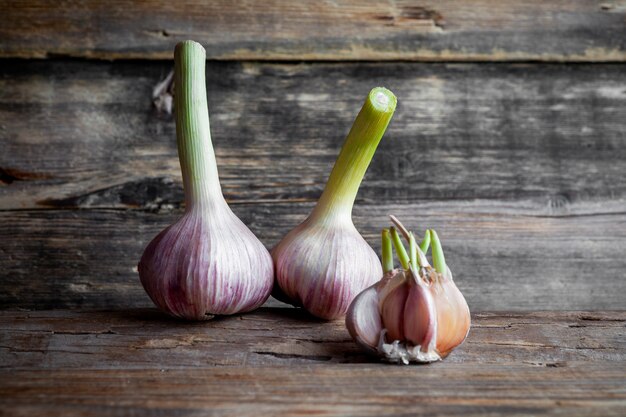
(324, 263)
(415, 313)
(208, 262)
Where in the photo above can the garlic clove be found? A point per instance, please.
(452, 312)
(420, 315)
(363, 320)
(393, 296)
(452, 308)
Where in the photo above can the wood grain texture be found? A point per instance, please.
(547, 137)
(519, 167)
(281, 362)
(140, 338)
(83, 259)
(477, 30)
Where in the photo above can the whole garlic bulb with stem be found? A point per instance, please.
(324, 263)
(208, 262)
(414, 313)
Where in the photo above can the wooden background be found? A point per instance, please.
(509, 137)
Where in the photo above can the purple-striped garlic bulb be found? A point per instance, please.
(208, 262)
(324, 263)
(415, 313)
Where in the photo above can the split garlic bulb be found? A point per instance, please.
(415, 313)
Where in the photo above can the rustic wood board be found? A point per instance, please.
(519, 167)
(549, 138)
(66, 258)
(282, 362)
(476, 30)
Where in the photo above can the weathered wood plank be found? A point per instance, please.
(88, 258)
(280, 362)
(546, 139)
(520, 167)
(581, 389)
(484, 30)
(145, 338)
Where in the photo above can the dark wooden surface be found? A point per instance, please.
(476, 30)
(509, 139)
(519, 167)
(281, 362)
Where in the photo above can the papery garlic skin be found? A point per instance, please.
(334, 264)
(208, 262)
(324, 262)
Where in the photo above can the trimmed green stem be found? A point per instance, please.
(400, 250)
(355, 156)
(439, 261)
(195, 151)
(387, 251)
(425, 242)
(413, 250)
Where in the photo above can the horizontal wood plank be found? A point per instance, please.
(88, 258)
(519, 167)
(140, 338)
(281, 362)
(579, 390)
(477, 30)
(547, 137)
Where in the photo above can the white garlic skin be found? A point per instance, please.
(322, 266)
(207, 263)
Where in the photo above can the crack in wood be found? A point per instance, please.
(162, 33)
(10, 175)
(408, 15)
(423, 13)
(600, 318)
(81, 333)
(317, 358)
(548, 364)
(521, 344)
(152, 194)
(46, 351)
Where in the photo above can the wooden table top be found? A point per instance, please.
(280, 361)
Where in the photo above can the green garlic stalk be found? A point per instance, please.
(324, 262)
